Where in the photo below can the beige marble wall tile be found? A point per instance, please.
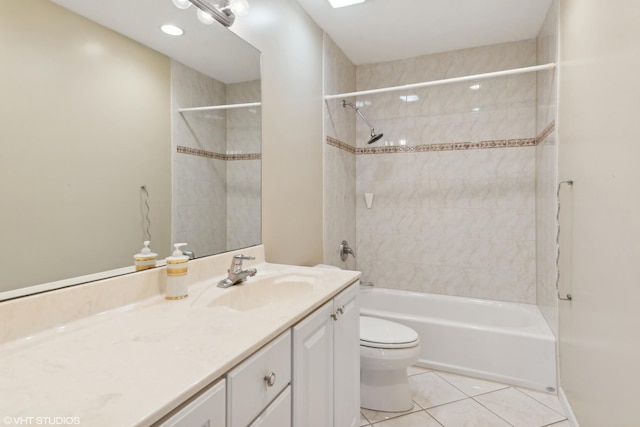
(198, 183)
(339, 198)
(243, 177)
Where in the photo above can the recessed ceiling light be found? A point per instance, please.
(343, 3)
(475, 86)
(172, 30)
(409, 98)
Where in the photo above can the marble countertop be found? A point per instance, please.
(129, 366)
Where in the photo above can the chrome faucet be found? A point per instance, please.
(236, 273)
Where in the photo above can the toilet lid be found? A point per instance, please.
(380, 333)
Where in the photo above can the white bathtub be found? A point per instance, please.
(500, 341)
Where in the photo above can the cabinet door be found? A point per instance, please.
(278, 414)
(346, 365)
(207, 410)
(313, 369)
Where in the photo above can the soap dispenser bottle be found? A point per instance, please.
(145, 259)
(177, 270)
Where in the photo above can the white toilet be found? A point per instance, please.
(387, 349)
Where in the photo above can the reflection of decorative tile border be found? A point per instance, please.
(218, 156)
(342, 145)
(480, 145)
(546, 132)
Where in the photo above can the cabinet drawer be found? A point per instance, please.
(278, 414)
(253, 384)
(207, 410)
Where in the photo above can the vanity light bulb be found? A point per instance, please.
(182, 4)
(239, 7)
(204, 17)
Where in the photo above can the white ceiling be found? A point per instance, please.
(210, 49)
(388, 30)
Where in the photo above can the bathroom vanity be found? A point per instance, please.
(233, 357)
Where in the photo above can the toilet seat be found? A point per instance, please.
(380, 333)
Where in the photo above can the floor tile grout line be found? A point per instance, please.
(365, 417)
(410, 411)
(493, 412)
(452, 385)
(406, 415)
(554, 423)
(542, 403)
(445, 404)
(434, 418)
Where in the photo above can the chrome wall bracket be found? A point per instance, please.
(568, 296)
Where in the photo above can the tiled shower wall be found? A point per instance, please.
(216, 163)
(199, 182)
(451, 214)
(243, 166)
(339, 163)
(546, 171)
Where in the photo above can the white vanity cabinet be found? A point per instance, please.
(278, 414)
(326, 364)
(256, 382)
(207, 410)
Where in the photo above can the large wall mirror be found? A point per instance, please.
(104, 143)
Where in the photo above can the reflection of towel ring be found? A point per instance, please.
(568, 297)
(345, 250)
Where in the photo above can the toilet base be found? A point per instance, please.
(385, 390)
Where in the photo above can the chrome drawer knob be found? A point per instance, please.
(270, 379)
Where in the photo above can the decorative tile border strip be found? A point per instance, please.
(249, 156)
(341, 145)
(546, 132)
(218, 156)
(480, 145)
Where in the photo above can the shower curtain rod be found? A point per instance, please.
(220, 107)
(446, 81)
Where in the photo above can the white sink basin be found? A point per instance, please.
(258, 292)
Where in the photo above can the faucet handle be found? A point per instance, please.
(236, 262)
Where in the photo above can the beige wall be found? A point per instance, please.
(291, 46)
(599, 149)
(85, 123)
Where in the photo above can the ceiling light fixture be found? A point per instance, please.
(205, 17)
(215, 10)
(172, 30)
(239, 7)
(182, 4)
(343, 3)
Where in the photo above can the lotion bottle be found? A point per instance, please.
(145, 259)
(177, 269)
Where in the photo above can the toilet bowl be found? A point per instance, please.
(387, 349)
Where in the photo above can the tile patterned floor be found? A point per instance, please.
(441, 399)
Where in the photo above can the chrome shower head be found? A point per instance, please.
(374, 136)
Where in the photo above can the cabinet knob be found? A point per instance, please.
(270, 379)
(334, 316)
(340, 309)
